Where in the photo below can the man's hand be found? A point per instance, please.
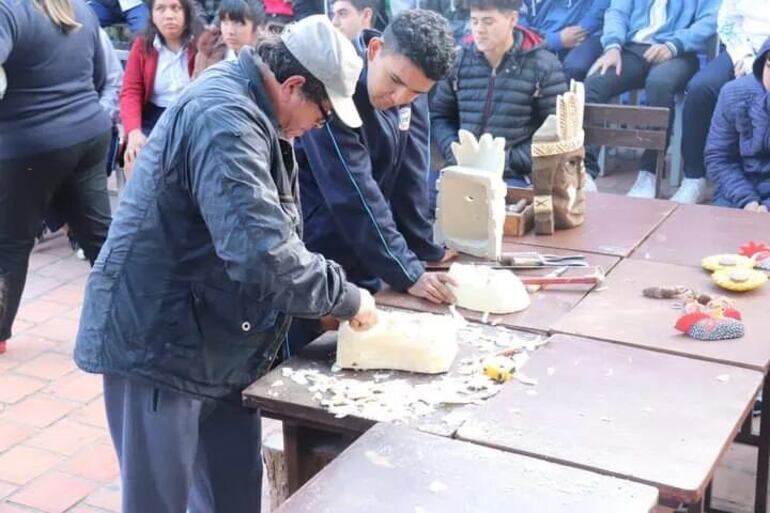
(433, 287)
(367, 313)
(572, 36)
(658, 53)
(136, 140)
(610, 59)
(754, 206)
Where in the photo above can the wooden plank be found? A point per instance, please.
(548, 305)
(652, 117)
(392, 469)
(697, 231)
(620, 313)
(626, 138)
(614, 225)
(649, 417)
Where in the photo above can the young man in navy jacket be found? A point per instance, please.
(364, 191)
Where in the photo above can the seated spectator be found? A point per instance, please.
(572, 30)
(505, 83)
(738, 147)
(159, 68)
(240, 22)
(131, 12)
(742, 27)
(650, 44)
(353, 16)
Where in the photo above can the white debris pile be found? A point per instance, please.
(390, 400)
(401, 397)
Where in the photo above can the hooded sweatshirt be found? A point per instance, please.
(742, 26)
(549, 17)
(738, 145)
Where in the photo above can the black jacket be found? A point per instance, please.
(510, 102)
(203, 266)
(365, 191)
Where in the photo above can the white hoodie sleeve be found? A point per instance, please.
(109, 96)
(730, 27)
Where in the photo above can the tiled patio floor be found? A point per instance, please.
(55, 453)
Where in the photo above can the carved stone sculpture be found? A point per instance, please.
(470, 209)
(558, 171)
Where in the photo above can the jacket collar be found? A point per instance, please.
(250, 63)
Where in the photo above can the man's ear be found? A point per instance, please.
(292, 85)
(514, 18)
(373, 48)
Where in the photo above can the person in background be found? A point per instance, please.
(134, 13)
(159, 68)
(364, 190)
(53, 135)
(241, 23)
(353, 16)
(738, 148)
(742, 26)
(504, 83)
(649, 44)
(204, 268)
(571, 28)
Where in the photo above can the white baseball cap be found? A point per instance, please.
(331, 58)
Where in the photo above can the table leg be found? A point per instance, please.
(763, 457)
(296, 453)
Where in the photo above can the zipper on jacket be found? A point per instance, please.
(488, 104)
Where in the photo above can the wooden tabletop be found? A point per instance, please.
(614, 225)
(548, 305)
(294, 402)
(650, 417)
(393, 469)
(695, 231)
(619, 313)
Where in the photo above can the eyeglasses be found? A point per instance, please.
(326, 115)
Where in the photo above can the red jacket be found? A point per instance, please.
(139, 81)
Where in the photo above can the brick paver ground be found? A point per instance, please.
(55, 453)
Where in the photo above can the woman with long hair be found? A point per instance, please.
(53, 135)
(160, 66)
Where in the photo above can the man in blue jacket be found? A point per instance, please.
(364, 190)
(571, 28)
(738, 147)
(650, 44)
(193, 292)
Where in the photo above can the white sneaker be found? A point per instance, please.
(692, 190)
(644, 187)
(590, 184)
(80, 254)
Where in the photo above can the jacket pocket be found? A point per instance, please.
(225, 316)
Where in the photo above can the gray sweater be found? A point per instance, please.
(53, 78)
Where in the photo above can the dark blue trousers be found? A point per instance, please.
(577, 61)
(179, 454)
(702, 93)
(109, 13)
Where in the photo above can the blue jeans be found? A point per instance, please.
(178, 453)
(702, 93)
(577, 61)
(109, 13)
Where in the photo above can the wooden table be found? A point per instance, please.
(614, 225)
(695, 231)
(393, 469)
(622, 315)
(305, 421)
(649, 417)
(548, 305)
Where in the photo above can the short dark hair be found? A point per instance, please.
(242, 10)
(500, 5)
(192, 25)
(425, 38)
(360, 5)
(283, 64)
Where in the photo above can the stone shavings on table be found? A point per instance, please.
(390, 397)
